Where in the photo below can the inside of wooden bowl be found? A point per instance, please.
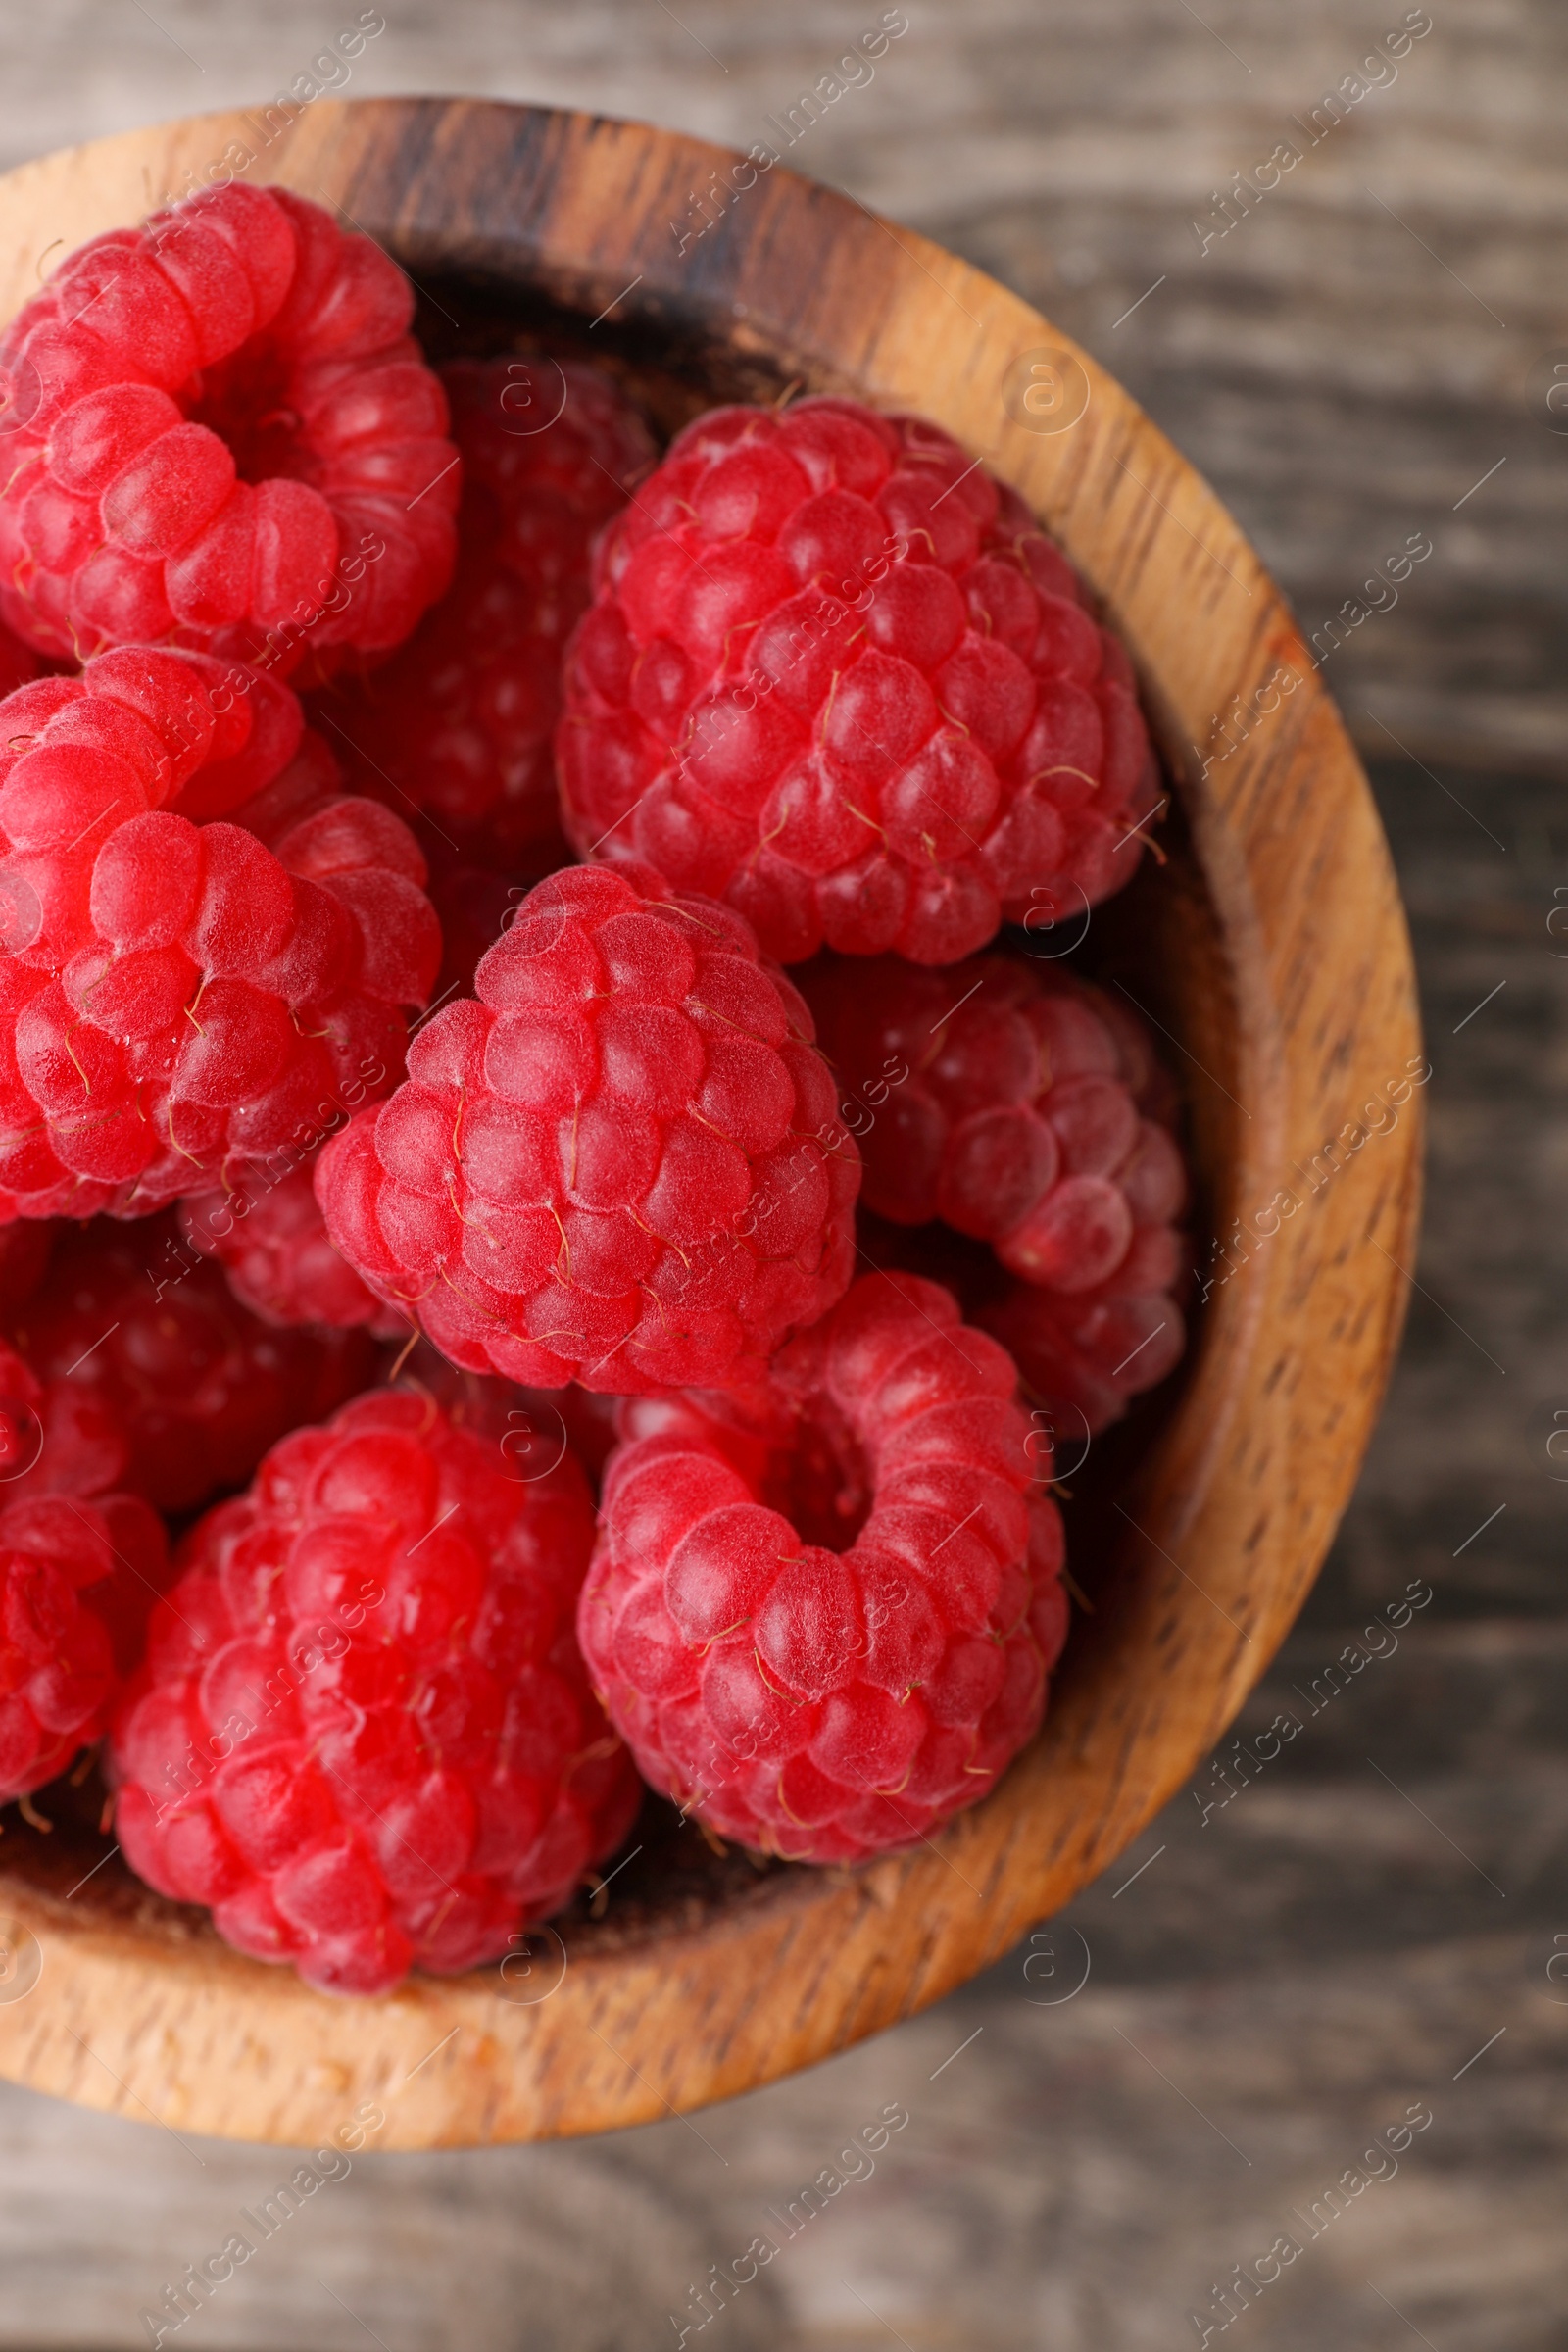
(1160, 941)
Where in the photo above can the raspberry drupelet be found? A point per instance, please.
(364, 1734)
(155, 1340)
(142, 727)
(80, 1566)
(620, 1165)
(178, 1000)
(827, 1628)
(836, 675)
(460, 719)
(1025, 1108)
(226, 437)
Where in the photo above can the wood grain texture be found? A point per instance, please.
(1273, 951)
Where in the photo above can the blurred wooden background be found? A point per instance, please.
(1365, 357)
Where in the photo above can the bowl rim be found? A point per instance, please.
(135, 2010)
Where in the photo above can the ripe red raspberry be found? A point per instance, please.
(178, 1000)
(829, 1635)
(620, 1165)
(836, 675)
(80, 1569)
(364, 1732)
(1024, 1108)
(227, 437)
(460, 719)
(280, 1261)
(140, 1325)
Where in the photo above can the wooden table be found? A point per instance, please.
(1290, 1975)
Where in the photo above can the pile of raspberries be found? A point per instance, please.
(480, 1333)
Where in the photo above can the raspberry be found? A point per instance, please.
(79, 1568)
(364, 1734)
(227, 437)
(1024, 1108)
(836, 675)
(619, 1165)
(280, 1263)
(155, 1340)
(831, 1643)
(460, 719)
(180, 1001)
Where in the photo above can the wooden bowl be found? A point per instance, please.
(1272, 950)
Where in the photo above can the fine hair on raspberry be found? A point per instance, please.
(836, 675)
(362, 1734)
(224, 438)
(824, 1621)
(619, 1163)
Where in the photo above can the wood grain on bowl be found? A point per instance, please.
(1272, 950)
